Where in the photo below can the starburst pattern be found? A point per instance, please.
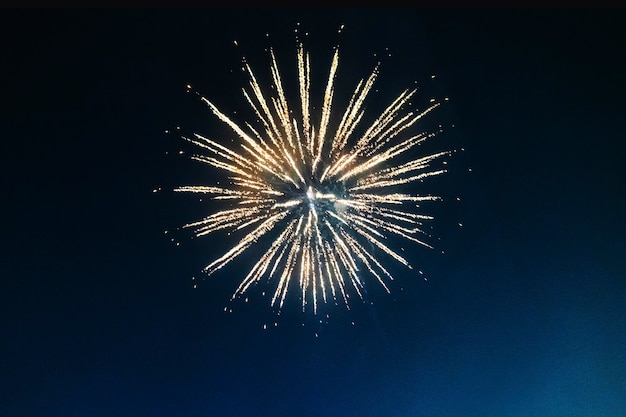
(330, 195)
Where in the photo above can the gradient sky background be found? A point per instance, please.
(524, 314)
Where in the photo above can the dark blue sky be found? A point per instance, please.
(524, 314)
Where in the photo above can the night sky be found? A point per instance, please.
(523, 314)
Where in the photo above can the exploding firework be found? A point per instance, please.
(329, 194)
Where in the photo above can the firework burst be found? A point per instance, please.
(330, 194)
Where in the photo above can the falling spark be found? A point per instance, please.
(328, 196)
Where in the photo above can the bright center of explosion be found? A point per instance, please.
(316, 198)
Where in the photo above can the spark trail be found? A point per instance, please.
(329, 197)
